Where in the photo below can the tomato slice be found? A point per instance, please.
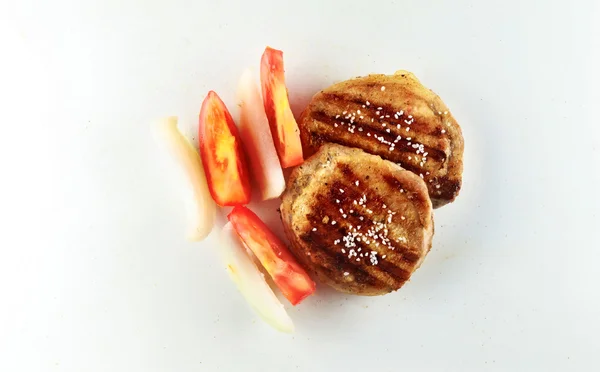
(284, 128)
(222, 154)
(275, 257)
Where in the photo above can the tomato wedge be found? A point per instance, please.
(284, 128)
(222, 154)
(275, 257)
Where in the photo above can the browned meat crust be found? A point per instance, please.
(361, 224)
(395, 117)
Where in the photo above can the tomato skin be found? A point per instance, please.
(222, 154)
(288, 275)
(284, 128)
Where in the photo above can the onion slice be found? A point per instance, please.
(258, 141)
(190, 178)
(251, 282)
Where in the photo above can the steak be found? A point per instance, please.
(395, 117)
(361, 224)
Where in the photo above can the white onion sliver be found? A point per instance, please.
(190, 178)
(258, 141)
(251, 282)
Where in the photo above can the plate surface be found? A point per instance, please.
(95, 273)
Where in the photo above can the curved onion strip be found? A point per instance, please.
(258, 141)
(191, 180)
(251, 282)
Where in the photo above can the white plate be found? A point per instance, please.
(95, 273)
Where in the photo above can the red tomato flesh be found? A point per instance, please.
(288, 275)
(284, 128)
(222, 154)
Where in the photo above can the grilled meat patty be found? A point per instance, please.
(361, 224)
(395, 117)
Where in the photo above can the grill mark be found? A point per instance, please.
(350, 194)
(448, 187)
(384, 153)
(410, 257)
(395, 274)
(414, 169)
(385, 269)
(399, 274)
(405, 254)
(386, 109)
(388, 273)
(401, 252)
(336, 259)
(373, 198)
(434, 154)
(353, 95)
(393, 182)
(359, 100)
(346, 171)
(415, 197)
(339, 262)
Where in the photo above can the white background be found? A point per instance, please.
(95, 274)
